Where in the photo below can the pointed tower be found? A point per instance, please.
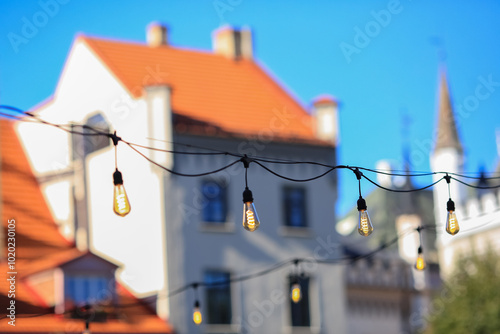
(447, 156)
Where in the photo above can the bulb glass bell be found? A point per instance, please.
(250, 219)
(451, 220)
(420, 263)
(121, 204)
(197, 318)
(452, 223)
(296, 293)
(365, 227)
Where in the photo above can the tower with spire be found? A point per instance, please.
(447, 155)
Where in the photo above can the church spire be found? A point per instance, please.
(447, 134)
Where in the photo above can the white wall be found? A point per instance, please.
(194, 247)
(87, 87)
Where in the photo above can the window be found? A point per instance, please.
(300, 311)
(214, 202)
(295, 206)
(218, 297)
(87, 289)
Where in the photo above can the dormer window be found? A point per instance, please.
(80, 290)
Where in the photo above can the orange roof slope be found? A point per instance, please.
(235, 95)
(40, 246)
(23, 201)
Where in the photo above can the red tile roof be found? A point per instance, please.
(40, 246)
(234, 96)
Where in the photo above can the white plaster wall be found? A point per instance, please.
(192, 248)
(87, 87)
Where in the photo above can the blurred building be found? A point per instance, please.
(185, 229)
(384, 291)
(477, 210)
(46, 280)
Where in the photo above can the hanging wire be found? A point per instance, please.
(178, 173)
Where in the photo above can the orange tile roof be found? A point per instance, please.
(40, 246)
(236, 96)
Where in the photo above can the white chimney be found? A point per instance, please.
(325, 112)
(233, 43)
(156, 34)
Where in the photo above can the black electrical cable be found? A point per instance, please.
(292, 179)
(475, 187)
(181, 174)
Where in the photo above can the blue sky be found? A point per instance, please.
(379, 58)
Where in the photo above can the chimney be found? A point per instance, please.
(156, 34)
(233, 43)
(325, 112)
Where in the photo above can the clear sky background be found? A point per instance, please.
(379, 58)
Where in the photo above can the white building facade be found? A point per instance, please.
(188, 229)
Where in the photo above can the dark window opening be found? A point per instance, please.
(214, 202)
(218, 297)
(294, 200)
(300, 311)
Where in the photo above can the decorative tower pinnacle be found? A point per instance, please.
(447, 134)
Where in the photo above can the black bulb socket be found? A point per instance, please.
(197, 304)
(450, 206)
(117, 177)
(361, 204)
(247, 195)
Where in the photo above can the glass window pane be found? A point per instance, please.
(295, 206)
(214, 202)
(218, 297)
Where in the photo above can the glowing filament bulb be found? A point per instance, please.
(197, 319)
(296, 293)
(121, 205)
(451, 221)
(365, 227)
(420, 263)
(250, 219)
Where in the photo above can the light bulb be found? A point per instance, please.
(121, 205)
(452, 223)
(197, 319)
(420, 263)
(250, 219)
(296, 293)
(451, 220)
(365, 227)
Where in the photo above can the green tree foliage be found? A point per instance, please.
(470, 301)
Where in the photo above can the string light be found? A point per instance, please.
(197, 317)
(365, 227)
(295, 292)
(452, 226)
(251, 221)
(121, 204)
(420, 262)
